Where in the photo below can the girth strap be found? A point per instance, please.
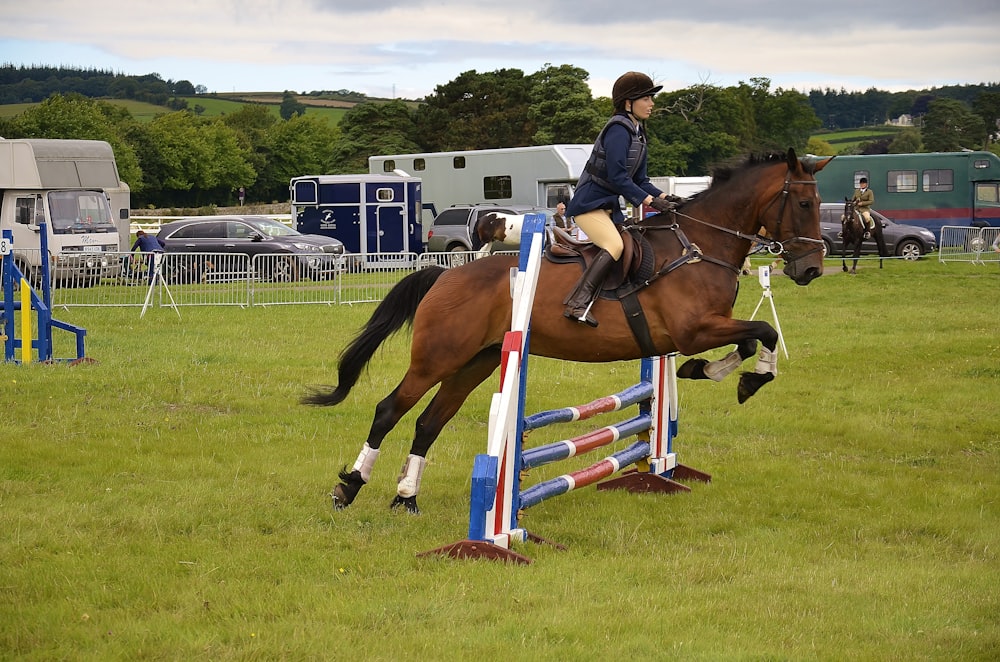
(636, 319)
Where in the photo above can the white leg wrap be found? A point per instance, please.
(716, 370)
(365, 462)
(767, 361)
(409, 477)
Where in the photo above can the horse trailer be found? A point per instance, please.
(368, 213)
(929, 190)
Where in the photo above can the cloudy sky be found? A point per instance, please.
(404, 48)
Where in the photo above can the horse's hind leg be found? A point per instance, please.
(445, 404)
(387, 414)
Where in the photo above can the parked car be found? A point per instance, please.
(451, 230)
(294, 255)
(907, 241)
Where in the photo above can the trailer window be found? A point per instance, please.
(498, 187)
(979, 164)
(388, 165)
(384, 195)
(858, 174)
(939, 180)
(24, 211)
(988, 192)
(901, 181)
(419, 164)
(458, 163)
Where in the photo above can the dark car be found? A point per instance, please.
(906, 241)
(451, 230)
(289, 254)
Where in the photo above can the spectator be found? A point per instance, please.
(149, 246)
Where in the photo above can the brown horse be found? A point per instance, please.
(852, 232)
(459, 316)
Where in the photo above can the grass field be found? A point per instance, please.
(848, 139)
(170, 501)
(213, 107)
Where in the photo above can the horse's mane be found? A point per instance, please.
(724, 172)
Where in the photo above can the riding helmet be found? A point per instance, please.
(631, 86)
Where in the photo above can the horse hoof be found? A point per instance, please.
(750, 383)
(410, 503)
(340, 499)
(693, 369)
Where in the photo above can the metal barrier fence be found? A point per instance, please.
(969, 244)
(225, 279)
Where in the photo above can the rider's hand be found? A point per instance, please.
(662, 205)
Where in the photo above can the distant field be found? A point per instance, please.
(850, 138)
(213, 107)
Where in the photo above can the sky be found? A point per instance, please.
(405, 48)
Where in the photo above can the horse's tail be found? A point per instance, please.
(397, 308)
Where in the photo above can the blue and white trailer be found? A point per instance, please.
(367, 213)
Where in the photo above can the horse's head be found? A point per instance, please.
(849, 211)
(791, 219)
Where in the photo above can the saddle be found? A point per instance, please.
(635, 265)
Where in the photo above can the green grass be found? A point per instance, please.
(848, 139)
(213, 107)
(170, 501)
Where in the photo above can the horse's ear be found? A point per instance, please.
(818, 164)
(793, 161)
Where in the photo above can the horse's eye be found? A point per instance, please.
(805, 204)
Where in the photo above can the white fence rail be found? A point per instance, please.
(969, 244)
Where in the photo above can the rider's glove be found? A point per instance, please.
(663, 205)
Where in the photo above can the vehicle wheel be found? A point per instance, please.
(284, 270)
(456, 260)
(909, 249)
(827, 248)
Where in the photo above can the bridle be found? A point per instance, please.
(691, 252)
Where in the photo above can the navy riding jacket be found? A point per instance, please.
(592, 192)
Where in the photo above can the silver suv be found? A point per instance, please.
(451, 230)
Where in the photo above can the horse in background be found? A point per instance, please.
(852, 232)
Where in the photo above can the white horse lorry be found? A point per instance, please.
(72, 187)
(539, 176)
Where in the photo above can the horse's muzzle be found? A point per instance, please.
(804, 277)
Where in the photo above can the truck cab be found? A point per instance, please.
(60, 186)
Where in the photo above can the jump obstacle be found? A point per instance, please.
(21, 343)
(496, 495)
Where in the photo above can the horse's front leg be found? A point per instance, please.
(720, 368)
(745, 334)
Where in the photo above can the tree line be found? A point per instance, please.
(182, 159)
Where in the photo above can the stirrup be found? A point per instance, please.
(583, 317)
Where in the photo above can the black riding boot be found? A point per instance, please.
(578, 303)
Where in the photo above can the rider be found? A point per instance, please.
(864, 199)
(617, 167)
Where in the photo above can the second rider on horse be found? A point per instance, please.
(616, 168)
